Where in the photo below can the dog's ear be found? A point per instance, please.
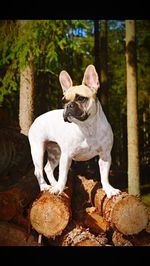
(65, 80)
(90, 78)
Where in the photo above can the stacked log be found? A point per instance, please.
(18, 185)
(140, 239)
(13, 235)
(16, 197)
(123, 216)
(80, 236)
(124, 212)
(15, 155)
(50, 213)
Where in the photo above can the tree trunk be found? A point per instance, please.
(132, 112)
(97, 47)
(104, 66)
(27, 93)
(50, 213)
(27, 97)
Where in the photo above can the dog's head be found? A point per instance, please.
(79, 101)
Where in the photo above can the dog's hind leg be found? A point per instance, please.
(54, 152)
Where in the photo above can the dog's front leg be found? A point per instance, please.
(64, 165)
(104, 166)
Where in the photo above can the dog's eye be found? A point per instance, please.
(80, 98)
(64, 100)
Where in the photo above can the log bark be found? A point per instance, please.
(13, 235)
(119, 239)
(15, 155)
(125, 212)
(141, 239)
(50, 214)
(17, 196)
(80, 236)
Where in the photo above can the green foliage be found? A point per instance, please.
(54, 45)
(49, 42)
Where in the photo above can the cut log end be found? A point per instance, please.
(130, 215)
(50, 214)
(127, 213)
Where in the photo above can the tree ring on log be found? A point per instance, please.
(130, 215)
(50, 214)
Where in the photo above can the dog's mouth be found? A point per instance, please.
(73, 111)
(68, 117)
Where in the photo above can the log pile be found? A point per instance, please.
(80, 236)
(14, 198)
(14, 235)
(18, 185)
(15, 155)
(99, 221)
(81, 216)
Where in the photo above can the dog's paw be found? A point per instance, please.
(44, 187)
(110, 191)
(56, 189)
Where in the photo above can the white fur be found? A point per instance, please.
(79, 140)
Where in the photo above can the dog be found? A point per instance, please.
(78, 132)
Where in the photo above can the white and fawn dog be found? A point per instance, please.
(78, 132)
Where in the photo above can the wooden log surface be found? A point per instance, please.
(125, 212)
(141, 239)
(80, 236)
(15, 155)
(50, 213)
(18, 196)
(13, 235)
(95, 222)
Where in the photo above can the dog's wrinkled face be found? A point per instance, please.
(79, 101)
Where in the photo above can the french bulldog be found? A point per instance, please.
(78, 132)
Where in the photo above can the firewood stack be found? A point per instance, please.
(81, 216)
(98, 221)
(18, 186)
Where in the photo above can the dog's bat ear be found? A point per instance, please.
(65, 80)
(90, 78)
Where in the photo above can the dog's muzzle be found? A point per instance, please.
(72, 110)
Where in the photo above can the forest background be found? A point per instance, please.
(49, 46)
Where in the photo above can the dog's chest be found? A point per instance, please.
(86, 149)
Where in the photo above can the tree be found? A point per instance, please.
(132, 113)
(27, 92)
(103, 65)
(97, 47)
